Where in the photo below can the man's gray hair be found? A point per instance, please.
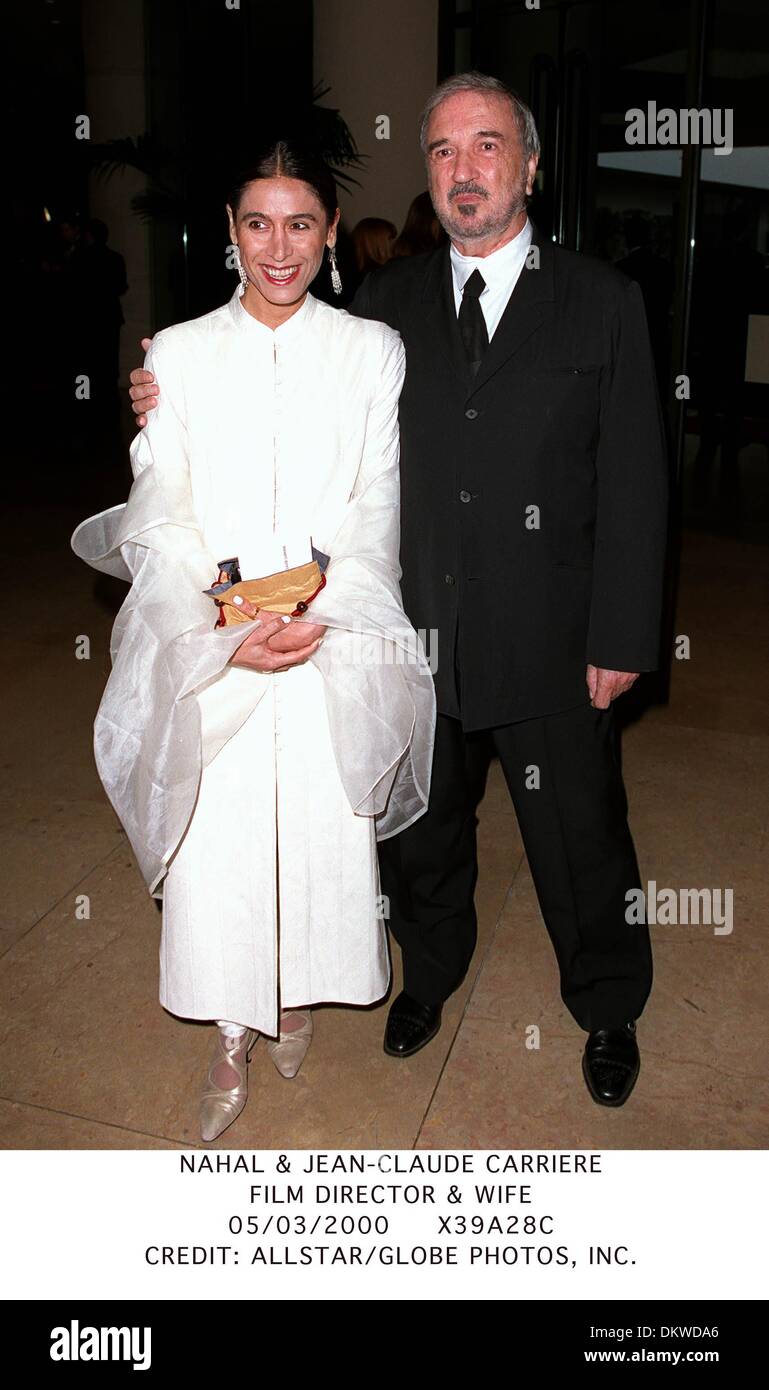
(481, 82)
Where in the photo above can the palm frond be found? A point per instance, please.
(127, 152)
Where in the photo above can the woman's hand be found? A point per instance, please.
(256, 653)
(294, 636)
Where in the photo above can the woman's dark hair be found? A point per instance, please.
(289, 160)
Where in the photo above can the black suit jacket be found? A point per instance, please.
(533, 498)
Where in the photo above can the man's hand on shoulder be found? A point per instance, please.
(143, 390)
(604, 686)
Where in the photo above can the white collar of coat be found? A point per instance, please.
(285, 332)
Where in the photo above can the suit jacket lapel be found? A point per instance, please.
(529, 305)
(440, 316)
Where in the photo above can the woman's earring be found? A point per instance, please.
(240, 270)
(336, 279)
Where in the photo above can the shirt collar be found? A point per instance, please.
(292, 327)
(497, 268)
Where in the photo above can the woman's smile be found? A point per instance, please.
(280, 275)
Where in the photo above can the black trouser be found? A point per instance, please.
(580, 852)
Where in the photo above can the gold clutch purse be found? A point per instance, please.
(288, 591)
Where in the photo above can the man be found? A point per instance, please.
(533, 516)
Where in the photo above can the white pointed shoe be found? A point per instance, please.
(219, 1106)
(289, 1051)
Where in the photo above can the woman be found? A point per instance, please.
(421, 231)
(372, 239)
(254, 764)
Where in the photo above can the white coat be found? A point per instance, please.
(254, 801)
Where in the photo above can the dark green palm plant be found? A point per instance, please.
(171, 173)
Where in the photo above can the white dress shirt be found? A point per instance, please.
(500, 270)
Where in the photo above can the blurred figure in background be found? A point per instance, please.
(421, 231)
(372, 240)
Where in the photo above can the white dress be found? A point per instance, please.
(254, 801)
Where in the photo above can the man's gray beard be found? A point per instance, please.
(477, 226)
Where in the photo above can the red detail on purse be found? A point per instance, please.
(303, 605)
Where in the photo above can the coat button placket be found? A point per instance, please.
(277, 420)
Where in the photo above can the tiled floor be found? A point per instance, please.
(89, 1059)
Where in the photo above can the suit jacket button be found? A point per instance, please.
(465, 496)
(449, 578)
(471, 414)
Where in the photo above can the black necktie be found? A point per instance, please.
(472, 324)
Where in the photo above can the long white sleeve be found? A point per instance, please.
(379, 691)
(164, 648)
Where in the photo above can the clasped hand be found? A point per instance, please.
(275, 643)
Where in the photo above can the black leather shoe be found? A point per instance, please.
(610, 1064)
(410, 1025)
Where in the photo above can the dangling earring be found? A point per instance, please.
(241, 271)
(336, 279)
